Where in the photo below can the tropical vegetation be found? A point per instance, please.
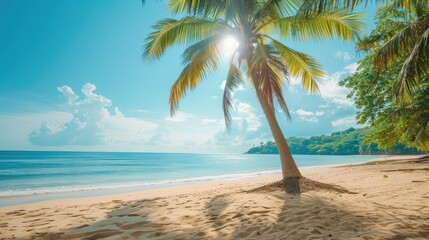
(395, 106)
(262, 59)
(348, 142)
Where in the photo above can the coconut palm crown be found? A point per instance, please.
(261, 59)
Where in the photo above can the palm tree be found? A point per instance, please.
(412, 41)
(266, 62)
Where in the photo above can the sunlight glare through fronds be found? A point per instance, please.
(229, 45)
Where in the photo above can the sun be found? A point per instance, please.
(229, 45)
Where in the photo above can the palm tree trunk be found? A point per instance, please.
(289, 168)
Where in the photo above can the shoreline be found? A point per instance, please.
(6, 201)
(390, 201)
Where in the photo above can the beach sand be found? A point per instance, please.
(390, 201)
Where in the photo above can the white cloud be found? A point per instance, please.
(142, 111)
(309, 119)
(301, 112)
(15, 128)
(209, 121)
(343, 55)
(213, 97)
(293, 82)
(196, 134)
(179, 117)
(324, 106)
(91, 123)
(246, 127)
(128, 130)
(248, 112)
(344, 122)
(332, 91)
(68, 94)
(309, 116)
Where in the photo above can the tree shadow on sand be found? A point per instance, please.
(262, 213)
(299, 217)
(271, 215)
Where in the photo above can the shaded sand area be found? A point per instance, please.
(390, 201)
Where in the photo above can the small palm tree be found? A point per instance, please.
(266, 62)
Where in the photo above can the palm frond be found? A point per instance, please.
(422, 138)
(402, 43)
(204, 8)
(404, 88)
(301, 66)
(339, 24)
(237, 10)
(269, 74)
(234, 80)
(412, 41)
(417, 62)
(314, 7)
(199, 59)
(227, 9)
(274, 9)
(415, 65)
(184, 31)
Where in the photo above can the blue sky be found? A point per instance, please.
(72, 78)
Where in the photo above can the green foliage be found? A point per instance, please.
(348, 142)
(375, 97)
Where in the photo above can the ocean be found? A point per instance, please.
(64, 174)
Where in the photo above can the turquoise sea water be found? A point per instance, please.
(29, 173)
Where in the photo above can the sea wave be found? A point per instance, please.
(143, 185)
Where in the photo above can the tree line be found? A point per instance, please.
(348, 142)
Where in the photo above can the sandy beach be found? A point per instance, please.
(390, 200)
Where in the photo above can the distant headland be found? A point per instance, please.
(348, 142)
